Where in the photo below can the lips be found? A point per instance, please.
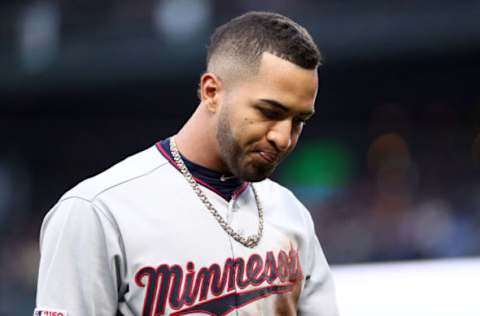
(269, 157)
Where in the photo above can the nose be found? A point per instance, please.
(280, 135)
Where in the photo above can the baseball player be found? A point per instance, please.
(193, 225)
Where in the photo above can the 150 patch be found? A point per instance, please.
(49, 312)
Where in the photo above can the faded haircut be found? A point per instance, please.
(245, 38)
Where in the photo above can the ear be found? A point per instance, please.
(210, 90)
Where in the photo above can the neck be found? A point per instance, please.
(197, 141)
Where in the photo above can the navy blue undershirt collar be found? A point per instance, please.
(226, 189)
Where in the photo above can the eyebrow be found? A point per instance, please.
(284, 108)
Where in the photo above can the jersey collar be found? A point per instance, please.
(226, 186)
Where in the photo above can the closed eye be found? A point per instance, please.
(270, 114)
(302, 119)
(299, 122)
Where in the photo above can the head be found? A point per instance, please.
(259, 88)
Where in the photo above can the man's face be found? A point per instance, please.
(261, 118)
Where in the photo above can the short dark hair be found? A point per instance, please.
(253, 33)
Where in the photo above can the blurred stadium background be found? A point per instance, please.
(389, 166)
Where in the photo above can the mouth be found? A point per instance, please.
(268, 157)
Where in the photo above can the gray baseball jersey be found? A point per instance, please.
(136, 240)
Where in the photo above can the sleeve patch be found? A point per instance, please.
(49, 312)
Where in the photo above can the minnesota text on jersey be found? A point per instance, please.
(167, 281)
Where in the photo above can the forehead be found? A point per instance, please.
(285, 82)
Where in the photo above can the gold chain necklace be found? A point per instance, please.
(250, 241)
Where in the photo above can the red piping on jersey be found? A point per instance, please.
(235, 194)
(240, 190)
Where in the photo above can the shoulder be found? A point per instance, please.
(279, 193)
(79, 205)
(274, 189)
(277, 197)
(134, 168)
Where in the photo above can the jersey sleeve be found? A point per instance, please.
(80, 260)
(318, 296)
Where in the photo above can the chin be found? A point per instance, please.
(256, 178)
(256, 175)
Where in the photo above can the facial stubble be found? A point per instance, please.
(232, 154)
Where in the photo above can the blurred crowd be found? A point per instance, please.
(416, 196)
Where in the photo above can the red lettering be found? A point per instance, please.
(170, 285)
(255, 270)
(282, 265)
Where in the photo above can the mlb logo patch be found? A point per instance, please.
(49, 312)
